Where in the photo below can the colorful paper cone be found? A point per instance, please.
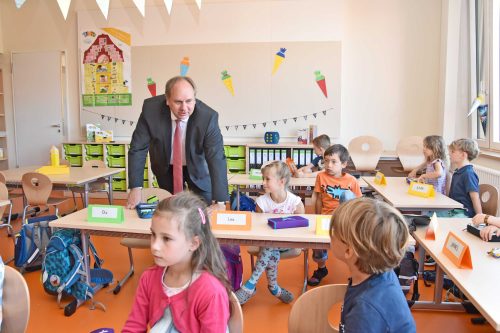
(228, 82)
(278, 59)
(184, 66)
(152, 86)
(320, 80)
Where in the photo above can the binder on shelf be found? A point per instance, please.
(302, 157)
(271, 155)
(283, 155)
(277, 154)
(265, 156)
(308, 156)
(258, 158)
(251, 158)
(296, 157)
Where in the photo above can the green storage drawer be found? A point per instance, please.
(116, 162)
(94, 149)
(94, 157)
(74, 161)
(72, 149)
(234, 151)
(116, 150)
(237, 164)
(120, 175)
(119, 185)
(145, 184)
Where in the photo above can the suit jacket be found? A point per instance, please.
(205, 159)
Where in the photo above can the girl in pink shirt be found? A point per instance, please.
(188, 289)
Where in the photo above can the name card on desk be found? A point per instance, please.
(421, 190)
(323, 225)
(457, 251)
(105, 213)
(380, 178)
(231, 220)
(255, 174)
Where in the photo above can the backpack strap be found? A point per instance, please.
(76, 271)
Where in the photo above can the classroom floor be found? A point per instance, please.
(263, 313)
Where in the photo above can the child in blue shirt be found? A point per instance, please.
(465, 182)
(320, 144)
(370, 237)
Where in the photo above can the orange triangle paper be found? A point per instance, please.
(430, 233)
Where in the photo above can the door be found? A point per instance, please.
(38, 100)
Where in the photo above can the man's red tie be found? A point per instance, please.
(177, 158)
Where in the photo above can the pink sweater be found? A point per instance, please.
(203, 306)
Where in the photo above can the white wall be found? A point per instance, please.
(390, 48)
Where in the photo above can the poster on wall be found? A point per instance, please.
(106, 72)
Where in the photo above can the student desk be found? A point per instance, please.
(396, 194)
(75, 177)
(479, 284)
(259, 235)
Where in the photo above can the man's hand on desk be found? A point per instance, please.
(134, 197)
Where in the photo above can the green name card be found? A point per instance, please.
(105, 214)
(256, 174)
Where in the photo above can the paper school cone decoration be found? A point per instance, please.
(228, 82)
(278, 59)
(431, 229)
(152, 86)
(320, 80)
(184, 66)
(478, 101)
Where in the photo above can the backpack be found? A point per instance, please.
(63, 269)
(246, 203)
(407, 273)
(31, 243)
(234, 265)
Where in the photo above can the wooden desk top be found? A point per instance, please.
(396, 194)
(76, 176)
(260, 234)
(480, 284)
(244, 180)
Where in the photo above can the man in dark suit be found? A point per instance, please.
(204, 167)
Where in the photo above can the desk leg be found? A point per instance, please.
(110, 189)
(85, 195)
(237, 197)
(306, 270)
(421, 261)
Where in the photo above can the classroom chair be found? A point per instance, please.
(253, 251)
(37, 188)
(365, 153)
(409, 151)
(488, 194)
(310, 312)
(135, 243)
(100, 185)
(16, 302)
(235, 323)
(4, 196)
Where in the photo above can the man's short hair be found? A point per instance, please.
(466, 145)
(171, 83)
(376, 231)
(338, 149)
(322, 141)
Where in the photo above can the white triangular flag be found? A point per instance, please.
(168, 4)
(141, 5)
(19, 3)
(198, 2)
(104, 7)
(64, 6)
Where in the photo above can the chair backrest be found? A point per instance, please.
(310, 312)
(409, 152)
(16, 302)
(4, 195)
(488, 194)
(365, 152)
(94, 164)
(235, 322)
(2, 178)
(36, 187)
(159, 192)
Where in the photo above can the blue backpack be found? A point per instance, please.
(63, 269)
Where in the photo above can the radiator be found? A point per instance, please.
(488, 176)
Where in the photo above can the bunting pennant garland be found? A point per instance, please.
(116, 119)
(104, 7)
(168, 4)
(64, 6)
(109, 118)
(123, 122)
(131, 123)
(102, 116)
(198, 2)
(19, 3)
(141, 5)
(275, 122)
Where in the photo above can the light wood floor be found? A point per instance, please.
(263, 313)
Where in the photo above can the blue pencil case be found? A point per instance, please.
(146, 210)
(288, 222)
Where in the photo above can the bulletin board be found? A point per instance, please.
(255, 87)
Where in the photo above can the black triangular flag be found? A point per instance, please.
(236, 127)
(314, 115)
(116, 119)
(227, 128)
(295, 119)
(123, 122)
(131, 123)
(109, 118)
(254, 125)
(274, 122)
(102, 116)
(264, 124)
(285, 120)
(324, 112)
(244, 127)
(305, 117)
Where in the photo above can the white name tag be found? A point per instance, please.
(105, 212)
(231, 219)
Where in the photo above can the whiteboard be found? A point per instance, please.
(259, 96)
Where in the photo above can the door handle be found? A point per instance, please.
(56, 125)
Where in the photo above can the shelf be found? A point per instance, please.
(3, 159)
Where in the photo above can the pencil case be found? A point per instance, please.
(146, 210)
(288, 222)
